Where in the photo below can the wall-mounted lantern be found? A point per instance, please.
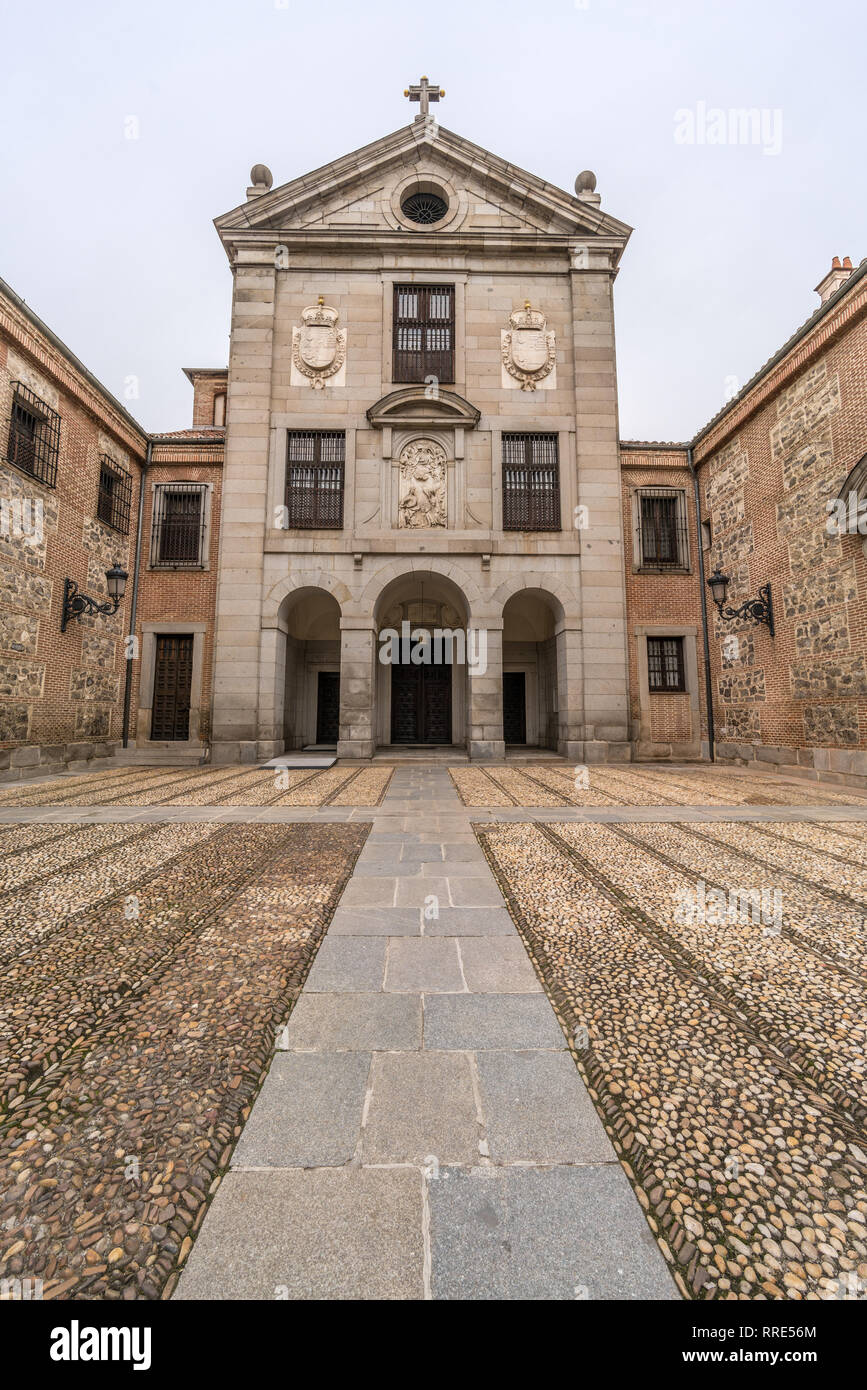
(760, 609)
(75, 603)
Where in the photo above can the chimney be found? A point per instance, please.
(837, 276)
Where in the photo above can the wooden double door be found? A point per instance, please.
(421, 704)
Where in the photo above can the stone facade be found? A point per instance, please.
(551, 604)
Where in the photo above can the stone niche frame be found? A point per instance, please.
(406, 415)
(150, 632)
(643, 743)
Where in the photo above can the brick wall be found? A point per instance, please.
(182, 596)
(662, 724)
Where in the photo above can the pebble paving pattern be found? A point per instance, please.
(726, 1061)
(552, 784)
(335, 786)
(132, 1047)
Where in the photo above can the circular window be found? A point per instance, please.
(424, 208)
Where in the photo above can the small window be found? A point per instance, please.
(665, 667)
(34, 435)
(178, 534)
(115, 492)
(706, 535)
(424, 208)
(314, 479)
(531, 482)
(220, 408)
(424, 332)
(662, 531)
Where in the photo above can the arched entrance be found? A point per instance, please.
(311, 703)
(531, 703)
(421, 662)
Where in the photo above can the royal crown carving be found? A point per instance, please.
(528, 348)
(319, 346)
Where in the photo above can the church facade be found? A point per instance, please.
(422, 430)
(403, 515)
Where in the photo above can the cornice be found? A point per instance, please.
(90, 394)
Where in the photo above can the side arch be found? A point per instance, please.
(566, 600)
(303, 579)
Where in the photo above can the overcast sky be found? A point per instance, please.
(109, 238)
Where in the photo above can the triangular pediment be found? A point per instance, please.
(362, 192)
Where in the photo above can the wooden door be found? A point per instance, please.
(173, 677)
(421, 704)
(328, 707)
(514, 707)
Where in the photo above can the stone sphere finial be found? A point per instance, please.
(261, 176)
(585, 182)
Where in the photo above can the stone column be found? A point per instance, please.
(570, 690)
(235, 724)
(357, 688)
(603, 582)
(272, 692)
(485, 698)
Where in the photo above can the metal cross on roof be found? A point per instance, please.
(423, 93)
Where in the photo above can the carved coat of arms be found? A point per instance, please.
(319, 346)
(528, 348)
(422, 485)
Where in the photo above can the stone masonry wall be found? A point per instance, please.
(59, 692)
(802, 693)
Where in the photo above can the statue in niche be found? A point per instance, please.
(422, 500)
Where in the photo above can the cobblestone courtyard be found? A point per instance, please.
(559, 1040)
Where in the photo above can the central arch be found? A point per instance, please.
(421, 619)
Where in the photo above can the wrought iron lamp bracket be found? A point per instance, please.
(75, 604)
(760, 609)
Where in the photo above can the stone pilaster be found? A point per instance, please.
(603, 588)
(357, 688)
(485, 701)
(570, 684)
(244, 516)
(272, 686)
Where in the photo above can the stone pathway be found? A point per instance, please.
(423, 1131)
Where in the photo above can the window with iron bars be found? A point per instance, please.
(178, 532)
(665, 666)
(314, 479)
(115, 494)
(424, 332)
(531, 482)
(34, 435)
(662, 529)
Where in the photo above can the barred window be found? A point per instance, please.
(665, 666)
(661, 529)
(424, 332)
(34, 435)
(314, 479)
(178, 532)
(115, 493)
(531, 482)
